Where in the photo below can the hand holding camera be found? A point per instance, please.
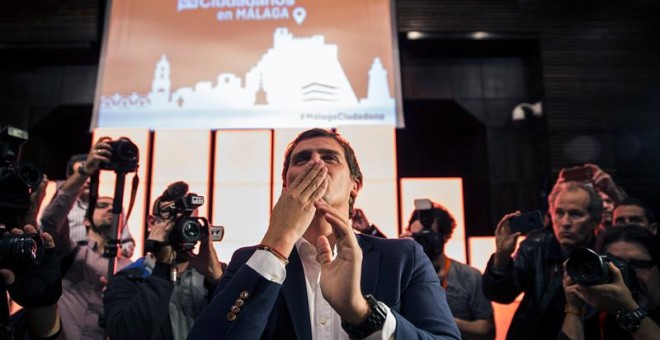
(100, 153)
(37, 282)
(430, 240)
(605, 288)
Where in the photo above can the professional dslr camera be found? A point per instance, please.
(125, 156)
(430, 240)
(586, 267)
(17, 181)
(188, 229)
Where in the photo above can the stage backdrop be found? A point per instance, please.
(248, 64)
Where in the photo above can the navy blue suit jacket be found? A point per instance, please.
(395, 271)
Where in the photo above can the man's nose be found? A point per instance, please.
(316, 157)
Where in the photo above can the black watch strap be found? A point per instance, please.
(630, 319)
(373, 323)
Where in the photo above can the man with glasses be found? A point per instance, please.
(536, 269)
(84, 268)
(631, 303)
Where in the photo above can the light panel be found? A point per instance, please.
(242, 187)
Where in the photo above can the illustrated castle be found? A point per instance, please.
(294, 73)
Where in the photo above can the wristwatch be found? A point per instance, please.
(81, 171)
(629, 319)
(373, 323)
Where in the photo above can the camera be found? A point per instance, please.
(125, 156)
(431, 241)
(586, 267)
(189, 229)
(19, 251)
(17, 181)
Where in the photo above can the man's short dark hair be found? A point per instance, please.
(595, 208)
(648, 213)
(173, 192)
(634, 234)
(445, 220)
(349, 154)
(81, 157)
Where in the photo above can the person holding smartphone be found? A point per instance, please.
(536, 269)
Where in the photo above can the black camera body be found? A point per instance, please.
(17, 181)
(431, 241)
(125, 156)
(586, 267)
(189, 229)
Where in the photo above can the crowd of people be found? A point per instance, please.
(322, 271)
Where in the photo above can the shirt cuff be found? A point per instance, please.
(267, 265)
(387, 332)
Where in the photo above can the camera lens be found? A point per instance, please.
(20, 250)
(190, 230)
(29, 174)
(586, 267)
(125, 150)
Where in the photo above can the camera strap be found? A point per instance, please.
(134, 186)
(93, 197)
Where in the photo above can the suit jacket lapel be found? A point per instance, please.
(370, 266)
(295, 295)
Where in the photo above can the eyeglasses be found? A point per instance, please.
(103, 205)
(640, 265)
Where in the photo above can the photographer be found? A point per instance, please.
(575, 210)
(142, 301)
(630, 297)
(472, 312)
(76, 217)
(83, 266)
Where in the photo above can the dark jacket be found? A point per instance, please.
(137, 305)
(537, 271)
(396, 272)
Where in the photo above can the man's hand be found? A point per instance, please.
(571, 290)
(609, 296)
(604, 182)
(36, 198)
(100, 152)
(38, 285)
(160, 231)
(340, 278)
(295, 209)
(206, 261)
(505, 242)
(360, 222)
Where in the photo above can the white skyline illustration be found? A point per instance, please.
(298, 82)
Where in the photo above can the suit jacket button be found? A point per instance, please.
(239, 302)
(244, 294)
(235, 309)
(231, 316)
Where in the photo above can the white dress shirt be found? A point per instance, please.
(325, 322)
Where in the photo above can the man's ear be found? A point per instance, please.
(87, 223)
(357, 185)
(654, 228)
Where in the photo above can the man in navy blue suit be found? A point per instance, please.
(312, 277)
